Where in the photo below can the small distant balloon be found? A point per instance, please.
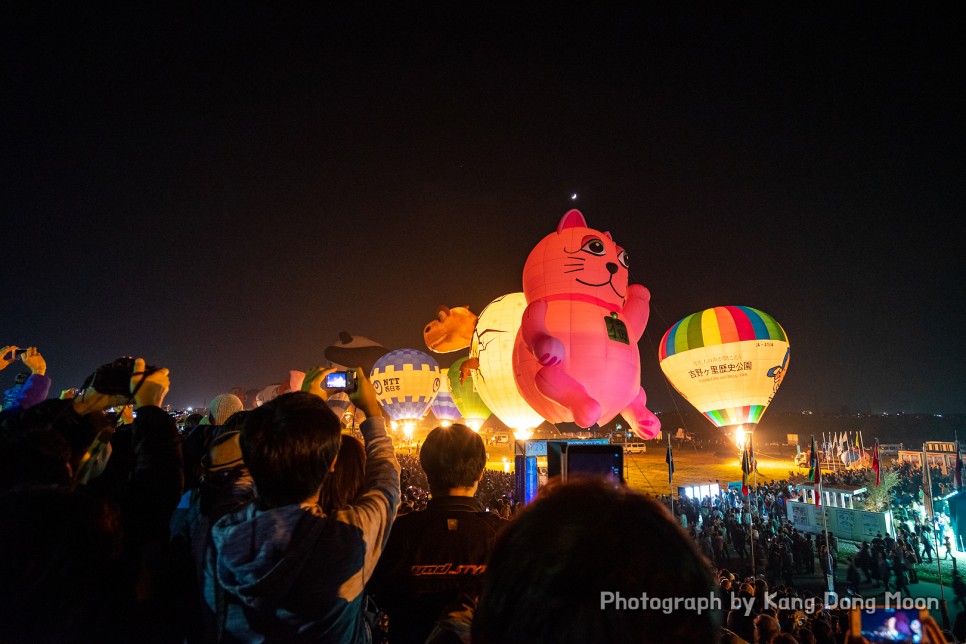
(573, 197)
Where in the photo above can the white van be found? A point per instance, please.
(635, 448)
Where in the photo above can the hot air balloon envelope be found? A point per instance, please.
(443, 406)
(340, 404)
(576, 358)
(465, 395)
(492, 344)
(406, 382)
(727, 361)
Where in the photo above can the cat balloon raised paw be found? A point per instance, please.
(576, 357)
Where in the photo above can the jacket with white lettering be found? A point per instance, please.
(432, 557)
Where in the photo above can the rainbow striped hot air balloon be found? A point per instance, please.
(727, 361)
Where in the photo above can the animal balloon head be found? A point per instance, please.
(582, 262)
(354, 351)
(452, 329)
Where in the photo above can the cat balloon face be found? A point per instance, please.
(577, 260)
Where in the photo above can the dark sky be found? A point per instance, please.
(223, 189)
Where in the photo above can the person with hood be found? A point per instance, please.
(281, 569)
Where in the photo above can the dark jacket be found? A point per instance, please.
(432, 557)
(292, 573)
(26, 395)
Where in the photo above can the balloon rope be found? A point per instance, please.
(639, 469)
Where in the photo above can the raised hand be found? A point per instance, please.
(34, 361)
(364, 397)
(149, 390)
(7, 356)
(313, 382)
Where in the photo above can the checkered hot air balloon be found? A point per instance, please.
(406, 382)
(350, 415)
(443, 406)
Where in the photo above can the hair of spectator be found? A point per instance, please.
(289, 445)
(452, 457)
(347, 480)
(549, 567)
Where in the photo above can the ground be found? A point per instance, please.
(648, 473)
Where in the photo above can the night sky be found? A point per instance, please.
(223, 189)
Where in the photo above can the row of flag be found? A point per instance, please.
(815, 467)
(749, 465)
(841, 442)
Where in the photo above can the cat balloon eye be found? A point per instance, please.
(594, 247)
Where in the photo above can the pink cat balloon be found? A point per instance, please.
(576, 357)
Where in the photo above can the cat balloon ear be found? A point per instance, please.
(573, 219)
(607, 235)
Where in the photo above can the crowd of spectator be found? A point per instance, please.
(271, 524)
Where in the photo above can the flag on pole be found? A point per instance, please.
(815, 471)
(669, 459)
(927, 486)
(751, 453)
(857, 446)
(875, 461)
(745, 471)
(959, 468)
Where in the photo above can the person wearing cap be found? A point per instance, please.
(225, 486)
(198, 442)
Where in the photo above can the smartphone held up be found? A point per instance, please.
(890, 624)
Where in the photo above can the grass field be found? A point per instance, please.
(648, 472)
